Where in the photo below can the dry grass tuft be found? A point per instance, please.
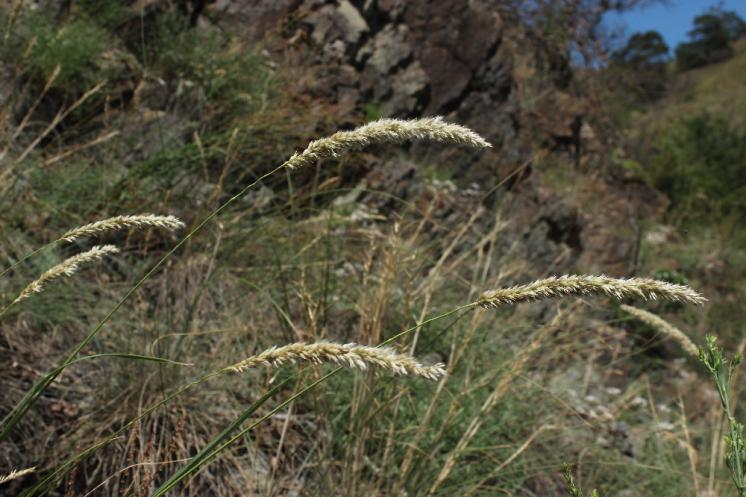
(560, 286)
(664, 327)
(66, 268)
(351, 355)
(170, 223)
(387, 131)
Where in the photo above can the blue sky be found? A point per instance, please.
(673, 21)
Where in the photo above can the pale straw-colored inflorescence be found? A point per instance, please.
(16, 473)
(350, 355)
(115, 223)
(68, 267)
(393, 131)
(664, 327)
(560, 286)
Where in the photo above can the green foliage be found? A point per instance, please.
(710, 43)
(643, 50)
(671, 276)
(734, 24)
(722, 369)
(202, 60)
(572, 487)
(43, 45)
(640, 66)
(699, 163)
(372, 111)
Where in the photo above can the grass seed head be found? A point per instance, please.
(393, 131)
(68, 267)
(16, 473)
(663, 327)
(560, 286)
(115, 223)
(350, 355)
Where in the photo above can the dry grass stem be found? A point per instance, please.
(169, 223)
(16, 473)
(560, 286)
(351, 355)
(66, 268)
(387, 131)
(664, 327)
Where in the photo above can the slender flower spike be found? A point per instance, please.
(67, 267)
(664, 327)
(351, 355)
(16, 473)
(560, 286)
(169, 223)
(393, 131)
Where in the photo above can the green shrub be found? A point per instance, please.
(699, 163)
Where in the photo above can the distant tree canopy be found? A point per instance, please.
(643, 50)
(641, 65)
(734, 25)
(710, 39)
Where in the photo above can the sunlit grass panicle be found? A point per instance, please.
(664, 327)
(387, 131)
(170, 223)
(16, 473)
(351, 355)
(560, 286)
(68, 267)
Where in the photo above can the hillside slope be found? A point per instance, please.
(717, 88)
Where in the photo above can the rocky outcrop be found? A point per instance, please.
(406, 58)
(409, 58)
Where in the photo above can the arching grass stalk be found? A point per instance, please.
(222, 441)
(20, 409)
(378, 132)
(72, 461)
(66, 268)
(541, 289)
(169, 223)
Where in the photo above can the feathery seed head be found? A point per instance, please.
(350, 355)
(16, 473)
(387, 131)
(170, 223)
(68, 267)
(664, 327)
(560, 286)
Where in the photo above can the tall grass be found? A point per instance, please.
(263, 278)
(350, 355)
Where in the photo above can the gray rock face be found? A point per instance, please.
(410, 57)
(407, 58)
(387, 49)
